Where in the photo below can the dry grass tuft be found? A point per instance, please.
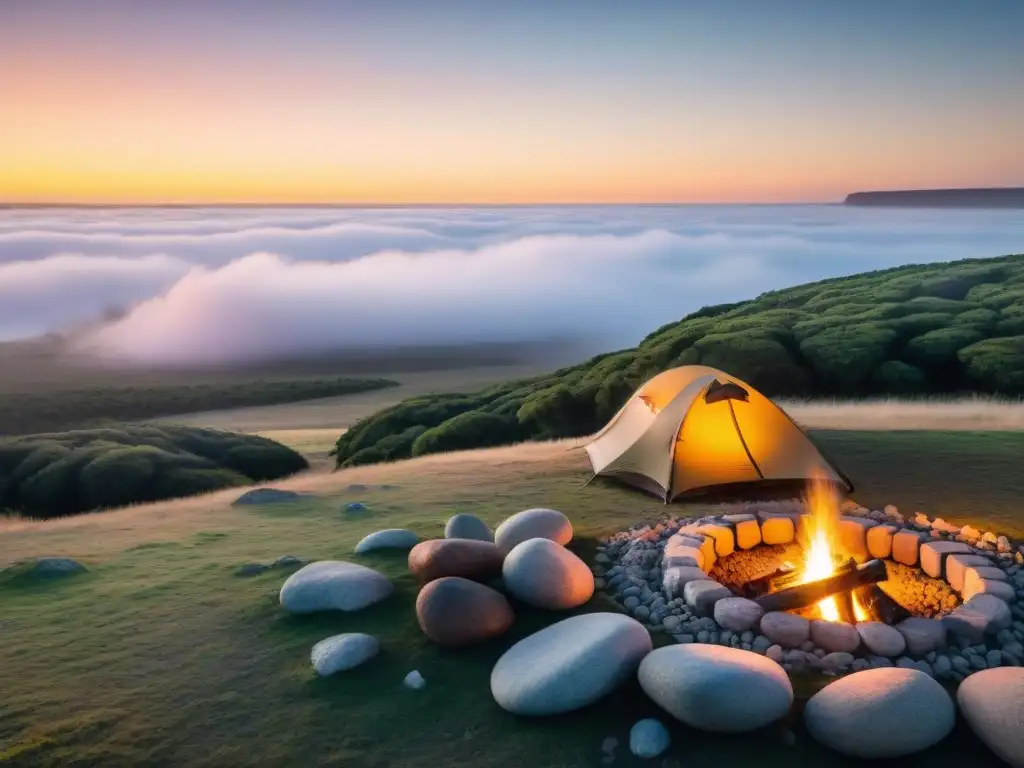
(974, 413)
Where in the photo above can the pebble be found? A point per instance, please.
(994, 658)
(414, 680)
(342, 652)
(648, 738)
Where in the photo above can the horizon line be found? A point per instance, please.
(24, 205)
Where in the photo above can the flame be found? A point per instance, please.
(822, 544)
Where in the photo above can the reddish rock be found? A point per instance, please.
(455, 612)
(470, 559)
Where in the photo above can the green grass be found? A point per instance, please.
(33, 409)
(161, 656)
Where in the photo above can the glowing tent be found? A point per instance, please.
(693, 427)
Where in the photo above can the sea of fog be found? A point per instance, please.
(201, 285)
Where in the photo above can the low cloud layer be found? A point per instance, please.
(217, 286)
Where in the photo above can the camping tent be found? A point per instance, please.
(693, 427)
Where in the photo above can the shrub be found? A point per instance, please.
(939, 347)
(844, 356)
(997, 365)
(899, 378)
(467, 430)
(64, 473)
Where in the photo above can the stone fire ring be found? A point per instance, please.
(659, 574)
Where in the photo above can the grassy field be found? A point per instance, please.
(161, 656)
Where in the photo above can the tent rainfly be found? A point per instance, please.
(694, 427)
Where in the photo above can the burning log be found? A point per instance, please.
(804, 595)
(881, 606)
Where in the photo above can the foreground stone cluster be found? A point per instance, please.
(660, 574)
(728, 671)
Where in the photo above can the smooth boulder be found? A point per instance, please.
(50, 567)
(341, 652)
(333, 585)
(569, 664)
(738, 613)
(992, 703)
(881, 639)
(547, 575)
(266, 496)
(835, 636)
(477, 560)
(464, 526)
(785, 629)
(533, 524)
(390, 538)
(716, 688)
(880, 713)
(455, 612)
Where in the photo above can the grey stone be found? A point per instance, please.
(466, 526)
(774, 653)
(881, 639)
(633, 591)
(942, 666)
(835, 636)
(835, 661)
(738, 613)
(922, 635)
(49, 567)
(979, 616)
(785, 629)
(648, 738)
(251, 569)
(355, 506)
(960, 664)
(642, 612)
(861, 664)
(288, 561)
(569, 664)
(333, 585)
(342, 652)
(414, 681)
(978, 662)
(544, 574)
(631, 603)
(266, 496)
(747, 637)
(993, 658)
(760, 644)
(880, 713)
(703, 636)
(716, 689)
(532, 524)
(879, 662)
(701, 596)
(390, 538)
(992, 703)
(671, 623)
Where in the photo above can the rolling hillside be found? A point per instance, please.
(916, 330)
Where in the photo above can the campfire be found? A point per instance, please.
(829, 584)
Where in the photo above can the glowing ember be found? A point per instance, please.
(822, 544)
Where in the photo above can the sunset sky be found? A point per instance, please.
(493, 102)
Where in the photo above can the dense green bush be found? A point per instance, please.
(65, 473)
(921, 329)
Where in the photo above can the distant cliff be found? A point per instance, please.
(1000, 197)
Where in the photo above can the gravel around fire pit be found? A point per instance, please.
(951, 636)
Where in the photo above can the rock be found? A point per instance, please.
(251, 569)
(774, 653)
(881, 639)
(922, 635)
(992, 703)
(957, 565)
(676, 578)
(748, 531)
(648, 738)
(266, 496)
(777, 530)
(979, 616)
(48, 568)
(976, 584)
(905, 546)
(971, 533)
(288, 561)
(477, 560)
(880, 713)
(569, 664)
(994, 658)
(533, 524)
(414, 680)
(737, 613)
(465, 526)
(609, 744)
(934, 553)
(342, 652)
(333, 585)
(701, 596)
(835, 661)
(456, 612)
(390, 538)
(879, 541)
(942, 666)
(355, 506)
(545, 574)
(760, 644)
(785, 629)
(835, 636)
(853, 536)
(714, 688)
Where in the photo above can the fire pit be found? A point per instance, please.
(821, 584)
